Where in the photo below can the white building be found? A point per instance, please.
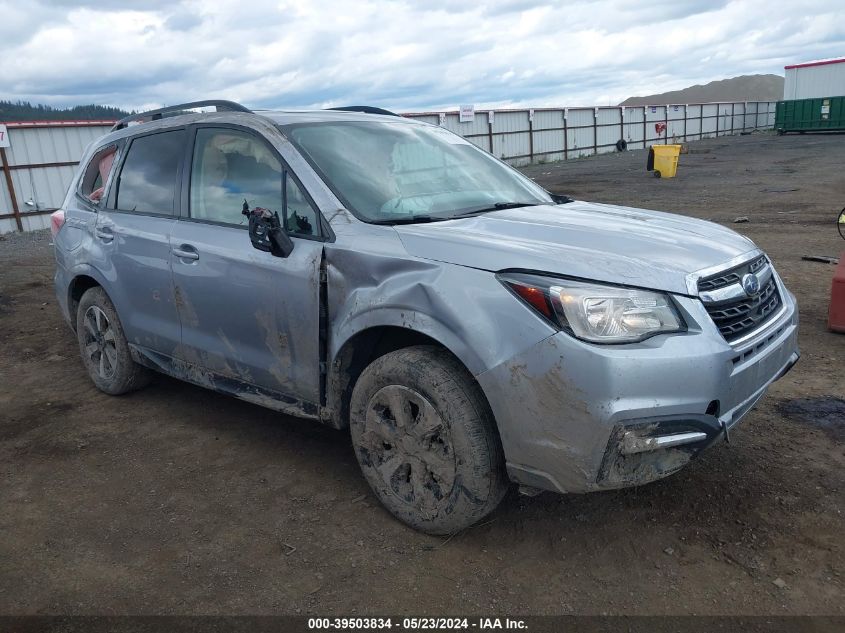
(822, 78)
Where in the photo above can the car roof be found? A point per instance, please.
(290, 117)
(272, 117)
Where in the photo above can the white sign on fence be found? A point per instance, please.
(467, 113)
(4, 137)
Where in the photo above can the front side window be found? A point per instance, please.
(147, 182)
(301, 216)
(233, 172)
(396, 171)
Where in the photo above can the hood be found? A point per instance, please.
(601, 242)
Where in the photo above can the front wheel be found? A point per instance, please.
(426, 441)
(103, 346)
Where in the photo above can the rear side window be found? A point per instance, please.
(147, 182)
(96, 174)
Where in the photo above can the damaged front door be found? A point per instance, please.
(245, 314)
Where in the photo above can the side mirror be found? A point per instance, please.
(266, 233)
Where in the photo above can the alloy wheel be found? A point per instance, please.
(99, 342)
(408, 443)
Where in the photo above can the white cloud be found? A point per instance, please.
(402, 55)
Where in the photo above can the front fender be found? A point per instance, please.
(465, 309)
(373, 283)
(412, 321)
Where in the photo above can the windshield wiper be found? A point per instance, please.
(497, 206)
(412, 219)
(463, 213)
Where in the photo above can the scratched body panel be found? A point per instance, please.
(558, 403)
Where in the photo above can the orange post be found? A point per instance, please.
(836, 312)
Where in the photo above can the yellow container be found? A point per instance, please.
(665, 160)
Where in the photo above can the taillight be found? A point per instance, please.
(57, 221)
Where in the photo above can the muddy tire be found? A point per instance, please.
(426, 440)
(103, 346)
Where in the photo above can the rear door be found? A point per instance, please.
(132, 233)
(246, 314)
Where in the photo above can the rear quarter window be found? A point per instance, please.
(96, 175)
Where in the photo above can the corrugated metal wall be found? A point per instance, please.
(548, 134)
(812, 81)
(42, 160)
(43, 156)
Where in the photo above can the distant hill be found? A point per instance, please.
(25, 111)
(743, 88)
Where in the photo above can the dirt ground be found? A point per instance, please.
(176, 500)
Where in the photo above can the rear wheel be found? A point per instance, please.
(656, 174)
(425, 439)
(103, 346)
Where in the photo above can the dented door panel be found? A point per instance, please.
(246, 314)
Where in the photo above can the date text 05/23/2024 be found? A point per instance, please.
(416, 624)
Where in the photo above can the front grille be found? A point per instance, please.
(737, 317)
(732, 276)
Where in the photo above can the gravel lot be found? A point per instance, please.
(176, 500)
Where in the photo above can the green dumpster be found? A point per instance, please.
(810, 115)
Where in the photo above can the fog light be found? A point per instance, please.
(633, 442)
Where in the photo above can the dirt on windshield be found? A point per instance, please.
(177, 500)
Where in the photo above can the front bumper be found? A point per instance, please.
(576, 417)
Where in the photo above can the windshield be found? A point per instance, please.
(394, 172)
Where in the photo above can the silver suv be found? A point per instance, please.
(372, 272)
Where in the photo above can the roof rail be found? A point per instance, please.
(156, 114)
(365, 110)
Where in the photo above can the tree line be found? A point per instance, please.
(25, 111)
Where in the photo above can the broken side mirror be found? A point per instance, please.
(266, 232)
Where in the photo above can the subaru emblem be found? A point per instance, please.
(750, 284)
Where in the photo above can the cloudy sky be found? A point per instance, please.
(401, 55)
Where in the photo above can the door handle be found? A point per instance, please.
(104, 233)
(186, 251)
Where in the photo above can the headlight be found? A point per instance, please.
(595, 312)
